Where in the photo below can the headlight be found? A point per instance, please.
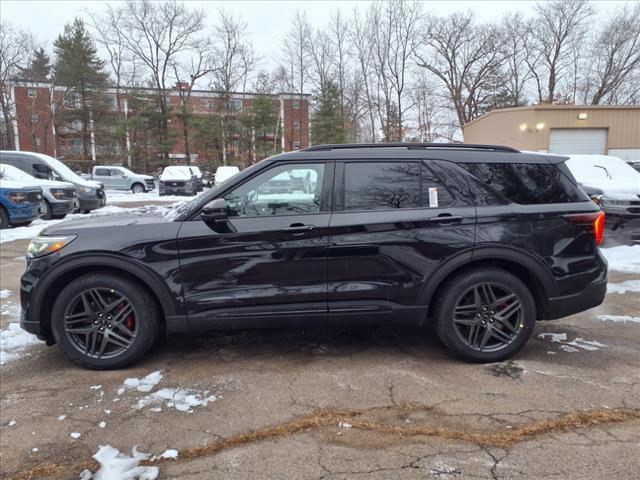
(87, 189)
(41, 246)
(17, 197)
(57, 192)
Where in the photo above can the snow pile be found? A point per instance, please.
(10, 308)
(169, 453)
(183, 400)
(13, 341)
(619, 318)
(124, 196)
(574, 345)
(5, 293)
(623, 259)
(145, 384)
(624, 287)
(115, 465)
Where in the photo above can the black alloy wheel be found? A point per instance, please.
(103, 320)
(488, 317)
(484, 314)
(101, 323)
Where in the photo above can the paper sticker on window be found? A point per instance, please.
(433, 197)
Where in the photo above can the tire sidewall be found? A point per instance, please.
(146, 316)
(461, 284)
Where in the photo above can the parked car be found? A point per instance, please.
(20, 203)
(225, 173)
(90, 194)
(121, 178)
(480, 241)
(177, 180)
(279, 184)
(59, 197)
(635, 164)
(614, 185)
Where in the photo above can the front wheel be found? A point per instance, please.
(105, 321)
(47, 215)
(137, 188)
(485, 315)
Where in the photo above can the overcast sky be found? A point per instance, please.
(266, 20)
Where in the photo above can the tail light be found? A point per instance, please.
(593, 222)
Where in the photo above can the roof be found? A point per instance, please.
(453, 152)
(553, 107)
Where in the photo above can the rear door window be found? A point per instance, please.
(103, 172)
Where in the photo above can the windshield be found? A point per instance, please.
(9, 172)
(176, 172)
(65, 172)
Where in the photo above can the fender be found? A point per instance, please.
(523, 258)
(102, 259)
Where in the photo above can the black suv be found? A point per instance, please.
(480, 240)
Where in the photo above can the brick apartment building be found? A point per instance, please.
(36, 129)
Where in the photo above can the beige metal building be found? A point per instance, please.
(600, 129)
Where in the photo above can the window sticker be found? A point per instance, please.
(433, 197)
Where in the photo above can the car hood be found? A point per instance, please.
(146, 177)
(55, 184)
(18, 185)
(77, 226)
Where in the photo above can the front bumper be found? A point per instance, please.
(621, 228)
(62, 207)
(175, 189)
(88, 201)
(25, 214)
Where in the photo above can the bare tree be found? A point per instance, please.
(233, 61)
(296, 51)
(339, 28)
(466, 58)
(559, 25)
(15, 49)
(615, 55)
(517, 73)
(158, 34)
(321, 53)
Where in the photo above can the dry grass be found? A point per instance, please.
(499, 438)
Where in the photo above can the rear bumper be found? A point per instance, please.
(590, 297)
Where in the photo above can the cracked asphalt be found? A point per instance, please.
(402, 379)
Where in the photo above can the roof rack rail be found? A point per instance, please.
(410, 146)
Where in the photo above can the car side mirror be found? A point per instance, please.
(215, 210)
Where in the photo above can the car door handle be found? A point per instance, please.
(446, 218)
(298, 228)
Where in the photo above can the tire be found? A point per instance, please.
(47, 211)
(132, 336)
(58, 217)
(4, 219)
(478, 319)
(138, 188)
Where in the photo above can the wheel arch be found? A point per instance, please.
(531, 270)
(53, 283)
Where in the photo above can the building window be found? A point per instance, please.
(296, 104)
(111, 101)
(38, 141)
(296, 124)
(296, 145)
(34, 118)
(209, 105)
(76, 146)
(32, 93)
(235, 105)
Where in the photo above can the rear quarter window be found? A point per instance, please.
(525, 183)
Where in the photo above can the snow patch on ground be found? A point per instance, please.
(624, 287)
(75, 435)
(145, 384)
(169, 453)
(5, 293)
(574, 345)
(618, 318)
(183, 400)
(13, 341)
(623, 258)
(115, 465)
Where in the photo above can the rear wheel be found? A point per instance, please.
(105, 321)
(485, 315)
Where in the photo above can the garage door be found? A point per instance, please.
(578, 140)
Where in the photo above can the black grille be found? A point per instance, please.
(68, 193)
(34, 197)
